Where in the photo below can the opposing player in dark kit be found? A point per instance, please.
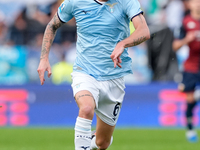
(190, 35)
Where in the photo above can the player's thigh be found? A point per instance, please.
(104, 132)
(85, 93)
(188, 83)
(86, 104)
(83, 98)
(110, 101)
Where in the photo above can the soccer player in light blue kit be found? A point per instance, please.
(102, 62)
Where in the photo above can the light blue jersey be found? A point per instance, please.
(100, 26)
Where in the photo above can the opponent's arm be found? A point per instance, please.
(140, 35)
(48, 38)
(177, 44)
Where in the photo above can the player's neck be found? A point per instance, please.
(196, 16)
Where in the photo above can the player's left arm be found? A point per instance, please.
(140, 35)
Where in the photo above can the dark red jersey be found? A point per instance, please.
(192, 64)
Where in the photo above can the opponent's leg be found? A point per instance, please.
(191, 103)
(197, 93)
(103, 138)
(189, 110)
(86, 104)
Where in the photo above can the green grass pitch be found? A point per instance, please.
(124, 139)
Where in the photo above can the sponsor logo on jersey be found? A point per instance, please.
(112, 7)
(85, 11)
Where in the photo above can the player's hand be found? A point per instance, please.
(190, 36)
(115, 56)
(44, 66)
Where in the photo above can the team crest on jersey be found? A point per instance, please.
(191, 25)
(111, 7)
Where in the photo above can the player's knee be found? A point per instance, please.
(181, 87)
(86, 112)
(102, 143)
(190, 98)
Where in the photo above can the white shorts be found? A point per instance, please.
(108, 95)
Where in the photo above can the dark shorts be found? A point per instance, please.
(190, 81)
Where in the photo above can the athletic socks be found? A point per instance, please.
(82, 134)
(93, 143)
(189, 114)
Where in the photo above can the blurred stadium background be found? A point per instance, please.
(34, 117)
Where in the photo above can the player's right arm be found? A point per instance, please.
(63, 15)
(48, 38)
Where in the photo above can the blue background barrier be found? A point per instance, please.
(150, 105)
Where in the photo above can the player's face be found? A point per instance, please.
(195, 6)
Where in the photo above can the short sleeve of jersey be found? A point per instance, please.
(65, 11)
(132, 8)
(180, 33)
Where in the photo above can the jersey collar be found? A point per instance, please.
(98, 2)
